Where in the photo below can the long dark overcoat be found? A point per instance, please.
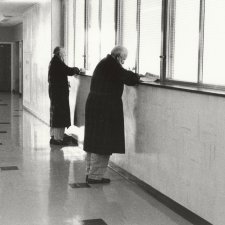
(104, 121)
(59, 92)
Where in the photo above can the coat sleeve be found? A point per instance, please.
(128, 77)
(69, 70)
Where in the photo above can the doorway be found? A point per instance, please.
(5, 67)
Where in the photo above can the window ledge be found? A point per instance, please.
(84, 75)
(187, 88)
(179, 87)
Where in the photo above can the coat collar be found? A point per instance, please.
(113, 59)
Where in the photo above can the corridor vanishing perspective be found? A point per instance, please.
(42, 184)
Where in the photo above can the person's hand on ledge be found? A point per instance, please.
(141, 75)
(149, 77)
(82, 71)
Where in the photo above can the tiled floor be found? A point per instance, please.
(41, 191)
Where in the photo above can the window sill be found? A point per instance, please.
(180, 87)
(186, 88)
(84, 75)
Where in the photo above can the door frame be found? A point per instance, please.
(21, 67)
(12, 71)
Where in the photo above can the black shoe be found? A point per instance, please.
(51, 141)
(56, 142)
(69, 140)
(102, 181)
(74, 141)
(66, 138)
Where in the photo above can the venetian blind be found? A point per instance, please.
(129, 31)
(185, 40)
(214, 44)
(70, 32)
(107, 27)
(150, 36)
(79, 32)
(93, 34)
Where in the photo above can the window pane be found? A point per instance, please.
(107, 27)
(214, 43)
(93, 39)
(129, 31)
(79, 33)
(185, 38)
(70, 32)
(150, 36)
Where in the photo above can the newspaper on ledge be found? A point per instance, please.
(149, 77)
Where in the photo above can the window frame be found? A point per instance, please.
(167, 17)
(166, 63)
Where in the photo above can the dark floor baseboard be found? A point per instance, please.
(170, 203)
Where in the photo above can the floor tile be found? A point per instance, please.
(4, 168)
(80, 185)
(40, 193)
(94, 222)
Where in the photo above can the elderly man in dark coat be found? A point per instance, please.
(59, 95)
(104, 121)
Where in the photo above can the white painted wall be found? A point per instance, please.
(36, 57)
(175, 142)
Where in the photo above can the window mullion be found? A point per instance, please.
(100, 25)
(163, 40)
(168, 39)
(201, 41)
(138, 36)
(119, 6)
(86, 8)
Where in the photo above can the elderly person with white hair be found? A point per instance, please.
(104, 120)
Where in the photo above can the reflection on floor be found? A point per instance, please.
(38, 187)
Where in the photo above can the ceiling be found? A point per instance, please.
(11, 11)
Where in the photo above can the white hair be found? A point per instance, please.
(119, 51)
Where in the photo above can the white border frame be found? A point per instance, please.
(12, 71)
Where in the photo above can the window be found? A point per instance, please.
(184, 40)
(150, 36)
(107, 27)
(93, 34)
(79, 33)
(129, 31)
(214, 43)
(193, 41)
(196, 35)
(69, 30)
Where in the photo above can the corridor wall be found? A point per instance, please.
(36, 58)
(175, 143)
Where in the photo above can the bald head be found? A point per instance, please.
(119, 53)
